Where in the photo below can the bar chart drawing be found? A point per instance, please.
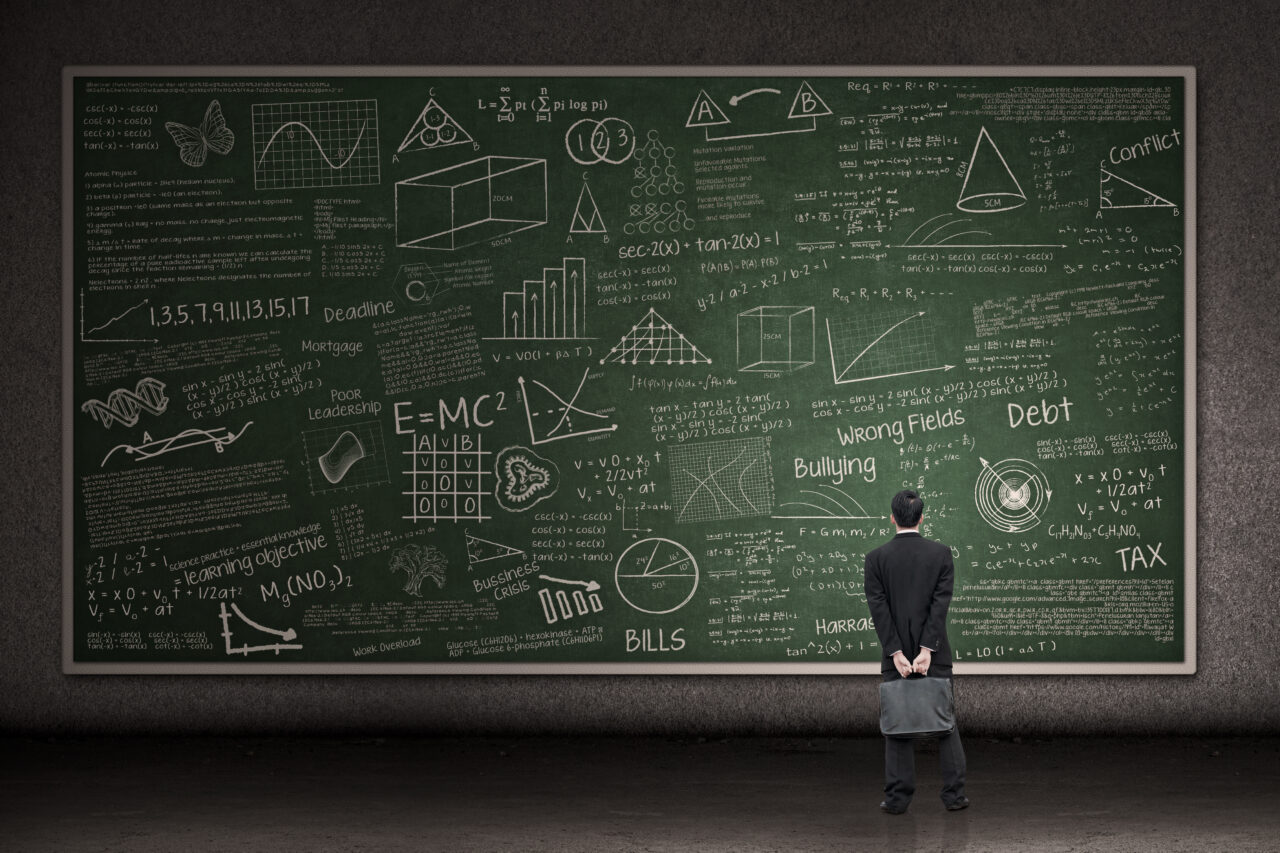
(550, 308)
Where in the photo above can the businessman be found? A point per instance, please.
(908, 581)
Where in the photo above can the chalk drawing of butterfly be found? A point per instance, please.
(195, 143)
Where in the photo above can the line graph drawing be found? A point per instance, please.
(720, 480)
(829, 503)
(1117, 193)
(934, 234)
(551, 308)
(434, 128)
(347, 457)
(285, 636)
(126, 405)
(149, 448)
(1011, 495)
(995, 188)
(315, 144)
(655, 341)
(760, 117)
(881, 346)
(656, 575)
(559, 412)
(481, 550)
(85, 333)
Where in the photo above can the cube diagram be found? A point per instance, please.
(471, 202)
(775, 338)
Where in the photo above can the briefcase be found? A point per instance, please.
(916, 707)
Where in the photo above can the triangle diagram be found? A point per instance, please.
(434, 128)
(655, 341)
(807, 103)
(989, 183)
(705, 112)
(1114, 191)
(586, 216)
(482, 550)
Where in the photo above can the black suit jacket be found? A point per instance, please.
(909, 581)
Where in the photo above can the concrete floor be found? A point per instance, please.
(642, 794)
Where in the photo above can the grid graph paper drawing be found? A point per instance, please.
(881, 346)
(448, 478)
(719, 480)
(315, 144)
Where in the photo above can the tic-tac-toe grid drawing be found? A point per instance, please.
(315, 144)
(448, 478)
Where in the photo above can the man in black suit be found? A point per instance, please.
(908, 581)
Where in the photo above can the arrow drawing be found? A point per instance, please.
(591, 586)
(733, 102)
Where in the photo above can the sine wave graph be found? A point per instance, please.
(315, 144)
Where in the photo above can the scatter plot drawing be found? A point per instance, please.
(655, 341)
(550, 308)
(881, 346)
(1011, 495)
(434, 128)
(345, 457)
(775, 338)
(720, 480)
(481, 550)
(315, 144)
(447, 477)
(127, 405)
(420, 562)
(552, 418)
(1117, 193)
(524, 478)
(989, 184)
(284, 644)
(656, 576)
(824, 501)
(758, 112)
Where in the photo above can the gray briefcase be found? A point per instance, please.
(916, 707)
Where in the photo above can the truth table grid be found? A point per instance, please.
(448, 478)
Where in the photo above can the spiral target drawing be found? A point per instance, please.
(1011, 494)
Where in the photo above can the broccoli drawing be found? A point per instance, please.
(419, 562)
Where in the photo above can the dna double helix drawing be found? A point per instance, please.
(125, 406)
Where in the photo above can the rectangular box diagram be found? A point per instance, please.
(775, 338)
(471, 202)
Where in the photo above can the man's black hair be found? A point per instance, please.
(907, 508)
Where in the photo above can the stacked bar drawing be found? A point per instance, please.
(553, 307)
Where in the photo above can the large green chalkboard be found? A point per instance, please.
(562, 370)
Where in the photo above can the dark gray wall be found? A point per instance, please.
(1233, 46)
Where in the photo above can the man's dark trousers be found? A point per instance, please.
(900, 766)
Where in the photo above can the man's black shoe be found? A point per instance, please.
(962, 803)
(884, 807)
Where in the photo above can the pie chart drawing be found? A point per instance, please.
(656, 575)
